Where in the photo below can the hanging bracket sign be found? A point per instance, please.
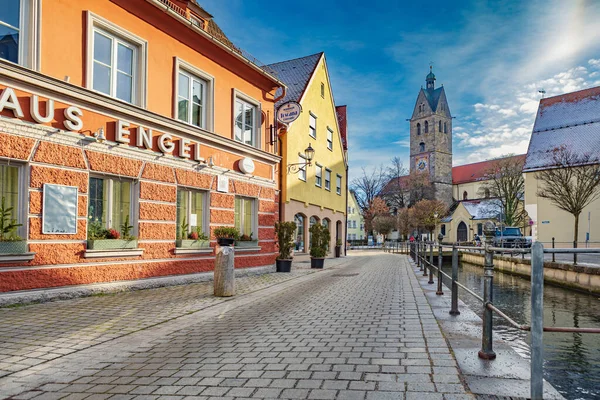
(289, 112)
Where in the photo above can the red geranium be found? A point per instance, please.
(193, 236)
(113, 234)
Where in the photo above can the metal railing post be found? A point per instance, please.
(424, 258)
(439, 291)
(487, 352)
(454, 302)
(553, 255)
(418, 249)
(574, 254)
(537, 321)
(431, 264)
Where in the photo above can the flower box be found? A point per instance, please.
(192, 244)
(13, 247)
(111, 244)
(246, 243)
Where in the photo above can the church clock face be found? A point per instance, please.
(421, 164)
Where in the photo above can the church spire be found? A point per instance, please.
(430, 79)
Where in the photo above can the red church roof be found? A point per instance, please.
(477, 171)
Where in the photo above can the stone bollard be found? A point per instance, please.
(224, 272)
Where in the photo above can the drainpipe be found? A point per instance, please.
(275, 100)
(346, 227)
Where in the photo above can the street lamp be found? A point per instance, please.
(308, 155)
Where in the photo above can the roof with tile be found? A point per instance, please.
(343, 123)
(570, 120)
(295, 74)
(477, 171)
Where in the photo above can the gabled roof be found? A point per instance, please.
(295, 74)
(477, 171)
(571, 120)
(483, 209)
(395, 184)
(343, 123)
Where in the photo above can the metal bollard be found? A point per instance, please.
(418, 250)
(431, 265)
(439, 291)
(537, 321)
(553, 255)
(424, 258)
(454, 302)
(487, 352)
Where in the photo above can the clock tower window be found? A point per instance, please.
(422, 147)
(426, 127)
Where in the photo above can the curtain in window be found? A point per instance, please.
(121, 203)
(9, 187)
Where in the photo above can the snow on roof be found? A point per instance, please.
(483, 209)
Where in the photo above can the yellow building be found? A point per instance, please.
(356, 224)
(315, 193)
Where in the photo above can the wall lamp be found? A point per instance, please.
(97, 136)
(308, 155)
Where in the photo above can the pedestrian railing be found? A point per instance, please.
(420, 251)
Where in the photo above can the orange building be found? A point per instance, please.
(128, 129)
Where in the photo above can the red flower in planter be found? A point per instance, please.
(113, 234)
(193, 236)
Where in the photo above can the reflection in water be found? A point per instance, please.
(571, 360)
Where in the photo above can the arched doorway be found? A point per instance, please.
(338, 231)
(299, 219)
(313, 220)
(327, 224)
(462, 232)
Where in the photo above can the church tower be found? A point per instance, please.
(431, 138)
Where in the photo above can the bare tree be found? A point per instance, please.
(504, 181)
(368, 186)
(384, 224)
(571, 183)
(395, 191)
(427, 214)
(419, 187)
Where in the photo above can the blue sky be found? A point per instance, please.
(491, 56)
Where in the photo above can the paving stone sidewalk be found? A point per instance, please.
(364, 331)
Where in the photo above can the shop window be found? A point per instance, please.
(299, 220)
(195, 95)
(318, 175)
(116, 61)
(245, 216)
(426, 127)
(418, 129)
(302, 169)
(110, 202)
(190, 207)
(312, 126)
(9, 192)
(312, 221)
(246, 122)
(338, 184)
(327, 179)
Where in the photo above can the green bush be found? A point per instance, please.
(319, 240)
(285, 232)
(227, 232)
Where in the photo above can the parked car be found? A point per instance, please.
(510, 237)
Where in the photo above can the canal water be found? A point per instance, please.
(571, 360)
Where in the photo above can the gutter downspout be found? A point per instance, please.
(283, 93)
(347, 190)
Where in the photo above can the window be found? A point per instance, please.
(299, 220)
(110, 202)
(421, 146)
(440, 126)
(312, 221)
(322, 90)
(312, 126)
(418, 129)
(116, 61)
(18, 27)
(191, 99)
(245, 216)
(327, 179)
(245, 122)
(9, 189)
(443, 229)
(445, 128)
(465, 195)
(318, 175)
(198, 22)
(487, 193)
(426, 127)
(190, 207)
(480, 229)
(302, 169)
(329, 139)
(338, 184)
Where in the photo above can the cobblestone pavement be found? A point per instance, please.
(361, 331)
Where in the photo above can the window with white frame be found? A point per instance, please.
(312, 126)
(329, 139)
(9, 191)
(191, 99)
(327, 179)
(246, 216)
(110, 202)
(246, 117)
(18, 25)
(318, 175)
(190, 212)
(116, 61)
(302, 169)
(338, 184)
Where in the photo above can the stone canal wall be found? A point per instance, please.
(561, 274)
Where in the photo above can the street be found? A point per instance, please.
(361, 329)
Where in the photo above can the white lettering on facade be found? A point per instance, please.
(165, 143)
(184, 148)
(9, 100)
(197, 152)
(35, 110)
(122, 132)
(73, 120)
(144, 137)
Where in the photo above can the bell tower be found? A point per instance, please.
(431, 138)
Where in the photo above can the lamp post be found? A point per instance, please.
(308, 155)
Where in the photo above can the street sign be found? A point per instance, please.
(288, 112)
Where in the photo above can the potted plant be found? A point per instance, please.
(338, 248)
(100, 238)
(10, 242)
(226, 235)
(196, 239)
(285, 240)
(246, 241)
(319, 238)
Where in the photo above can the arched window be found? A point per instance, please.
(419, 108)
(418, 129)
(465, 195)
(313, 220)
(426, 127)
(445, 128)
(443, 229)
(487, 193)
(440, 127)
(421, 146)
(299, 220)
